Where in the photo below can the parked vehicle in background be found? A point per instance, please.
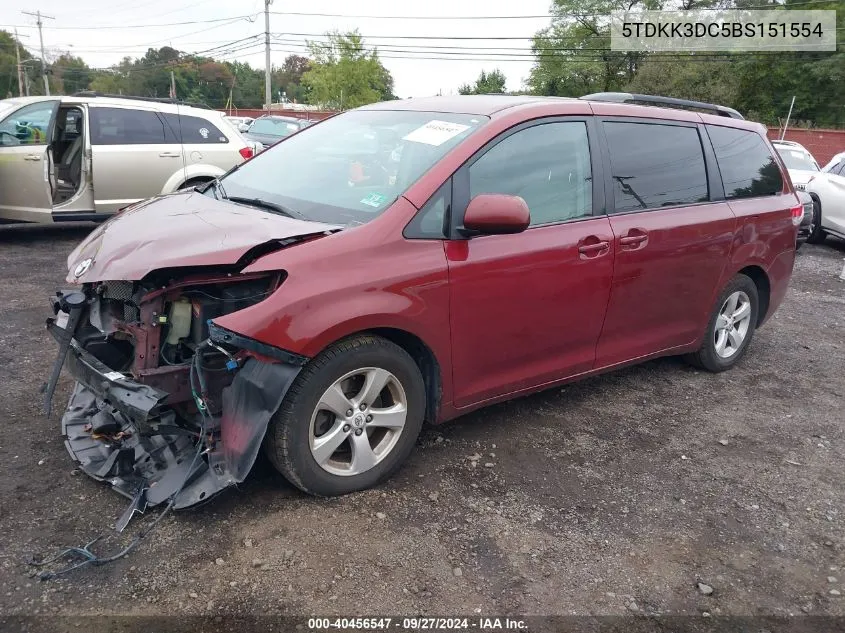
(837, 159)
(270, 129)
(799, 162)
(241, 123)
(488, 247)
(83, 157)
(805, 229)
(828, 191)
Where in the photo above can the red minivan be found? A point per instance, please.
(411, 261)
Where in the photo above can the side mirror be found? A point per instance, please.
(497, 214)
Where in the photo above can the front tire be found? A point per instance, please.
(817, 235)
(350, 419)
(731, 326)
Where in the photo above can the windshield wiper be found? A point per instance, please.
(270, 206)
(216, 185)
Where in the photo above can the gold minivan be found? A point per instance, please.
(83, 157)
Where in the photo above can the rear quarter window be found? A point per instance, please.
(747, 166)
(195, 130)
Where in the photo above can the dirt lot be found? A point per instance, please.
(611, 496)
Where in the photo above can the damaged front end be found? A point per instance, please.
(167, 405)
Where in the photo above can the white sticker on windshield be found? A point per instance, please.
(796, 154)
(435, 132)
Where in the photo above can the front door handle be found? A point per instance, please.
(633, 240)
(35, 157)
(593, 247)
(170, 154)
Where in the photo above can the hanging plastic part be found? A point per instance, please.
(72, 303)
(90, 558)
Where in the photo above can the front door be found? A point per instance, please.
(134, 154)
(25, 191)
(527, 309)
(672, 239)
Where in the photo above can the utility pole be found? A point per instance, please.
(38, 15)
(18, 57)
(268, 94)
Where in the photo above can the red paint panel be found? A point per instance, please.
(663, 286)
(527, 309)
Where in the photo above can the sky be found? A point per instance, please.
(102, 32)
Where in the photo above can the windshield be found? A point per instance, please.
(351, 167)
(796, 159)
(274, 127)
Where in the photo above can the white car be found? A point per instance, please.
(242, 123)
(826, 188)
(828, 191)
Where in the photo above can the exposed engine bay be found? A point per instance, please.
(167, 406)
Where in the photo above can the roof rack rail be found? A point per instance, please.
(666, 102)
(92, 93)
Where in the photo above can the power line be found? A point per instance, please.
(525, 17)
(249, 17)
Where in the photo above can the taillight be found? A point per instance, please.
(246, 152)
(797, 214)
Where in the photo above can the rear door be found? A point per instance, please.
(672, 230)
(25, 191)
(134, 153)
(211, 144)
(527, 309)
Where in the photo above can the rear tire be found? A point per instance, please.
(350, 419)
(731, 326)
(817, 235)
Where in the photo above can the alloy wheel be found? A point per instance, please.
(732, 324)
(357, 421)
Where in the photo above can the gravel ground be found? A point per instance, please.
(616, 495)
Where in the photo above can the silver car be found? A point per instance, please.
(84, 157)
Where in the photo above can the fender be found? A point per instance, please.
(327, 292)
(182, 176)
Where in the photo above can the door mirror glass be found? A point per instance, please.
(497, 214)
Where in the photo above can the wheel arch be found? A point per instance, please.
(190, 172)
(764, 289)
(422, 354)
(426, 361)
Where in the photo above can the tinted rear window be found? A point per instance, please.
(748, 168)
(122, 126)
(655, 165)
(195, 129)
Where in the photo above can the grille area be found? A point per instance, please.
(122, 291)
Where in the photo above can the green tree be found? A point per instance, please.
(493, 82)
(344, 73)
(70, 74)
(288, 78)
(573, 53)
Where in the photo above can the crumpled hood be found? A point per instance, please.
(183, 229)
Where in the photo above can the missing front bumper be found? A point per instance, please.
(122, 432)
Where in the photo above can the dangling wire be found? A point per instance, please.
(90, 558)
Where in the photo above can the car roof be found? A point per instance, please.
(279, 117)
(494, 105)
(485, 105)
(144, 104)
